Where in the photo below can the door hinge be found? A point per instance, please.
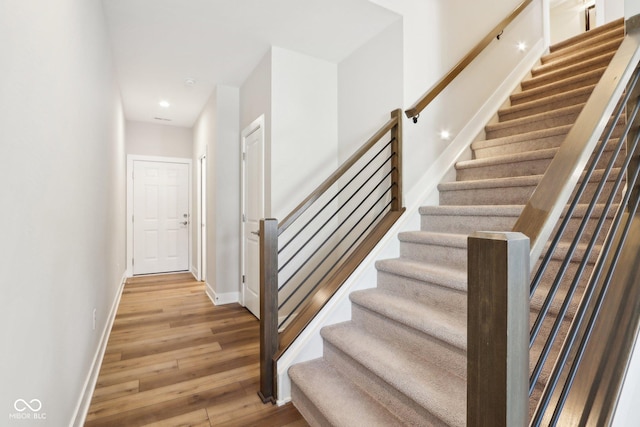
(132, 218)
(133, 261)
(244, 156)
(244, 218)
(243, 278)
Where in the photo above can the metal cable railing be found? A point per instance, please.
(306, 257)
(564, 370)
(574, 223)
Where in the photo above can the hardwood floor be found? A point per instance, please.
(175, 359)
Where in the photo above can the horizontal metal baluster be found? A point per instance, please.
(386, 162)
(338, 193)
(327, 239)
(345, 252)
(594, 317)
(586, 299)
(574, 284)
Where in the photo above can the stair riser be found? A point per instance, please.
(533, 93)
(528, 145)
(452, 257)
(523, 168)
(471, 224)
(501, 196)
(579, 57)
(586, 37)
(580, 46)
(524, 146)
(503, 129)
(454, 360)
(425, 292)
(467, 224)
(307, 409)
(378, 388)
(542, 76)
(541, 107)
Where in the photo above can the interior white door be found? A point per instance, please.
(160, 217)
(253, 211)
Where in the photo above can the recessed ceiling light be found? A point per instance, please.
(164, 103)
(190, 82)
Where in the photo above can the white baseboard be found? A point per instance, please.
(221, 299)
(82, 408)
(195, 272)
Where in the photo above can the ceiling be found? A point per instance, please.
(159, 44)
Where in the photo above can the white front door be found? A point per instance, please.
(252, 213)
(160, 217)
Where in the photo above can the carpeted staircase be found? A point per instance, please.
(402, 357)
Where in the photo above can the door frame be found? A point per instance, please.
(201, 226)
(129, 219)
(255, 125)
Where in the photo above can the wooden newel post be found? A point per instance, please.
(498, 330)
(268, 308)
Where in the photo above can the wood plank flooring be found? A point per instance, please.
(175, 359)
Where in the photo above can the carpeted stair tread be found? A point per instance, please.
(439, 323)
(451, 240)
(541, 77)
(520, 181)
(580, 55)
(602, 36)
(426, 384)
(338, 401)
(614, 25)
(572, 97)
(437, 274)
(559, 117)
(538, 140)
(533, 91)
(518, 164)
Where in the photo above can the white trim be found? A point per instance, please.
(254, 126)
(201, 217)
(221, 299)
(130, 159)
(309, 344)
(82, 407)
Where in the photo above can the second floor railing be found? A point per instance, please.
(307, 256)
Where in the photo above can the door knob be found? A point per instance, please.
(184, 223)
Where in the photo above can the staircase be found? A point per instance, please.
(402, 357)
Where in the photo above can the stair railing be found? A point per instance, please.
(422, 103)
(305, 258)
(575, 163)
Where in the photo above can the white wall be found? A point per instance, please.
(304, 127)
(369, 88)
(631, 8)
(255, 100)
(150, 139)
(436, 36)
(62, 161)
(216, 133)
(567, 20)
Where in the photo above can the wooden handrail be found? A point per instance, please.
(436, 89)
(547, 202)
(327, 183)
